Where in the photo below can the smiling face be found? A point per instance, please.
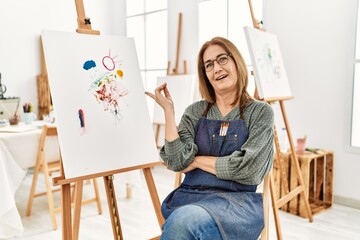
(223, 78)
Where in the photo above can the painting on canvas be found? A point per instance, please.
(269, 70)
(99, 103)
(182, 90)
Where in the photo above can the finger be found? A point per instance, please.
(161, 87)
(166, 92)
(150, 95)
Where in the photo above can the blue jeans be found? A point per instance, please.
(190, 222)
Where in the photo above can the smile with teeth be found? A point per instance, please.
(221, 77)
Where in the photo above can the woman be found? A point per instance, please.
(224, 145)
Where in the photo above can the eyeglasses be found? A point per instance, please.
(222, 59)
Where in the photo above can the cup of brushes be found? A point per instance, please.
(28, 116)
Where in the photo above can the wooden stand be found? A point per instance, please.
(176, 69)
(43, 90)
(289, 194)
(70, 231)
(317, 172)
(299, 186)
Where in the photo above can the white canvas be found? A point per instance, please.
(182, 90)
(99, 102)
(269, 70)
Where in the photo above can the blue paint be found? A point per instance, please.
(89, 64)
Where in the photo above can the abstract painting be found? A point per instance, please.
(269, 70)
(99, 102)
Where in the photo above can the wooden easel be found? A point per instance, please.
(174, 72)
(300, 189)
(176, 69)
(70, 232)
(43, 90)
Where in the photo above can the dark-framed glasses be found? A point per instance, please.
(222, 59)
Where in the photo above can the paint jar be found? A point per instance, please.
(301, 142)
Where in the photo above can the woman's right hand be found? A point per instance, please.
(162, 97)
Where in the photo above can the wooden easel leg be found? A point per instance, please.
(154, 195)
(113, 209)
(178, 177)
(33, 187)
(275, 208)
(128, 191)
(157, 133)
(297, 165)
(265, 232)
(77, 208)
(66, 211)
(49, 195)
(97, 196)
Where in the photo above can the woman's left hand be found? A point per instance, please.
(189, 168)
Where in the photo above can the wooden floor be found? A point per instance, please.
(139, 221)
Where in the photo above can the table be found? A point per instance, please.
(11, 176)
(27, 140)
(18, 150)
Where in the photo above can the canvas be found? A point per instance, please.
(269, 70)
(182, 90)
(99, 102)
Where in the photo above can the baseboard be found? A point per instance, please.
(349, 202)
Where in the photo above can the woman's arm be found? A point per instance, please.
(205, 163)
(180, 153)
(179, 149)
(254, 161)
(163, 97)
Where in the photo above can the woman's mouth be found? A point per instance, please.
(221, 77)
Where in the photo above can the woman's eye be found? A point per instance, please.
(208, 65)
(222, 59)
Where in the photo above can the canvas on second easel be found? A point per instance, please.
(182, 90)
(98, 96)
(269, 70)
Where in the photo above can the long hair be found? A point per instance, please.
(207, 91)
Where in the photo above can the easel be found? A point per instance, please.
(176, 69)
(43, 90)
(174, 72)
(45, 106)
(70, 232)
(300, 189)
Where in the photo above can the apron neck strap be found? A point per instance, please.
(209, 105)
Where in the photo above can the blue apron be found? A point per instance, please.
(236, 208)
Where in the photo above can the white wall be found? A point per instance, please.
(21, 22)
(317, 40)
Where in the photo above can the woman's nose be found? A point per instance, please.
(217, 67)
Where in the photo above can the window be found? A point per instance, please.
(355, 123)
(227, 19)
(146, 22)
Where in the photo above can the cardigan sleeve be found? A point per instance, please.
(180, 153)
(254, 160)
